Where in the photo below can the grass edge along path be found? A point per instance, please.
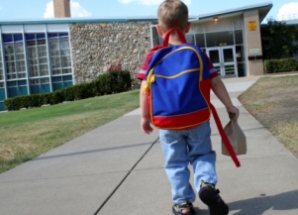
(29, 133)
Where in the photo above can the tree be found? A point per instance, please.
(279, 40)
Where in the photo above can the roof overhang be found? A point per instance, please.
(263, 9)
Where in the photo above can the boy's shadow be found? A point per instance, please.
(258, 205)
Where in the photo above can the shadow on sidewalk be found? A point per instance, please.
(258, 205)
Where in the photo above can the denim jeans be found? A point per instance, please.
(184, 147)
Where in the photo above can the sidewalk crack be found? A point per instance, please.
(125, 177)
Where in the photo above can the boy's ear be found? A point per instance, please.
(159, 30)
(187, 27)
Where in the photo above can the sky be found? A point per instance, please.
(40, 9)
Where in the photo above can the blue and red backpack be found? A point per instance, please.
(178, 88)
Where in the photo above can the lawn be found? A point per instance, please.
(28, 133)
(273, 101)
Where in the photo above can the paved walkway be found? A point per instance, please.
(117, 170)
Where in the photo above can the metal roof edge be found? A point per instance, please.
(128, 19)
(62, 21)
(236, 10)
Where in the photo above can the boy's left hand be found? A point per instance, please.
(146, 126)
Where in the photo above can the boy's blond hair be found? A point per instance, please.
(172, 13)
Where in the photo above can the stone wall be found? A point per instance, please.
(95, 46)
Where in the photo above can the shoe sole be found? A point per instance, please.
(192, 212)
(215, 204)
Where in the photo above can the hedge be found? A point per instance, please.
(107, 83)
(280, 65)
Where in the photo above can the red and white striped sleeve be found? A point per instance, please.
(212, 70)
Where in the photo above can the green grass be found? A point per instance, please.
(29, 133)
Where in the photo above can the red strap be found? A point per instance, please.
(224, 137)
(155, 48)
(167, 36)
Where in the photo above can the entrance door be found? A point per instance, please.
(224, 60)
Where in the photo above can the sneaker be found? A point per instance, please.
(178, 208)
(210, 196)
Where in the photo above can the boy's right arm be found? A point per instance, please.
(221, 92)
(145, 116)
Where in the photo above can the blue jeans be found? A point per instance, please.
(183, 147)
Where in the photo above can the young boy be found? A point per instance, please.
(181, 147)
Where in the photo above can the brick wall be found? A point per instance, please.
(62, 8)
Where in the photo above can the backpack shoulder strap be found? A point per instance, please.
(168, 33)
(155, 48)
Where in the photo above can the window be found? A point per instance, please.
(39, 81)
(200, 40)
(240, 52)
(190, 38)
(224, 38)
(60, 53)
(37, 55)
(238, 37)
(1, 67)
(61, 81)
(17, 88)
(14, 56)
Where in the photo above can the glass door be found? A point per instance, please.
(224, 60)
(229, 61)
(215, 57)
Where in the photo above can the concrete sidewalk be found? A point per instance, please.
(116, 169)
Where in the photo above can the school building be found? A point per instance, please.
(39, 56)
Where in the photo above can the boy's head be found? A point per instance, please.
(173, 13)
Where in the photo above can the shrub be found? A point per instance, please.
(35, 100)
(68, 93)
(45, 99)
(12, 104)
(115, 67)
(56, 97)
(25, 101)
(19, 102)
(120, 80)
(94, 88)
(280, 65)
(107, 83)
(83, 91)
